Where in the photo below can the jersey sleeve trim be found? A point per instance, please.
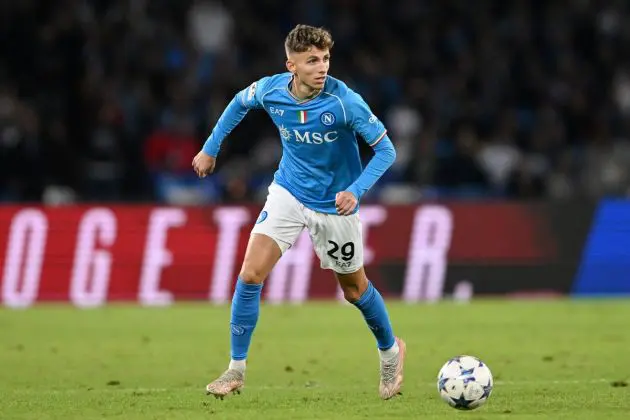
(379, 138)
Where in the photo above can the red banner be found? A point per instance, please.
(155, 255)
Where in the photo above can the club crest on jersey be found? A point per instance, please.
(327, 118)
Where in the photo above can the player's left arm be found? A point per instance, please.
(373, 132)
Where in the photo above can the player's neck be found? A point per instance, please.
(302, 91)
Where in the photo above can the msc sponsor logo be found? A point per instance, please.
(308, 137)
(315, 137)
(284, 133)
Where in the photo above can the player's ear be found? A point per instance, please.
(290, 66)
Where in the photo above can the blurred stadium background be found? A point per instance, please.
(512, 124)
(511, 120)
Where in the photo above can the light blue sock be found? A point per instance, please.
(245, 310)
(372, 307)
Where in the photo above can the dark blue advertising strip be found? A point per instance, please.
(605, 265)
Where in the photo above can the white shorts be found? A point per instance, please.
(337, 240)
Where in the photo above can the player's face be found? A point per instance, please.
(310, 67)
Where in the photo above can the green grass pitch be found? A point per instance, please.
(551, 360)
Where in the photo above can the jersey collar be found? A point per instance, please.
(303, 101)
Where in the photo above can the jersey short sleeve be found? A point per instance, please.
(250, 97)
(362, 120)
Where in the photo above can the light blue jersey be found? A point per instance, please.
(319, 138)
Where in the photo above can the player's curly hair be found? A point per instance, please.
(303, 37)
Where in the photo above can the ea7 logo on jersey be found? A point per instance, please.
(276, 111)
(327, 118)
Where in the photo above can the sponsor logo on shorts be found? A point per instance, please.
(343, 264)
(261, 217)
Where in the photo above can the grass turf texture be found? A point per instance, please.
(551, 360)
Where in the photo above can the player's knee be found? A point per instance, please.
(252, 275)
(353, 284)
(351, 293)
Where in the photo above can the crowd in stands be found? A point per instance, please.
(109, 100)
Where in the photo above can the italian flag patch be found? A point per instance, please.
(302, 117)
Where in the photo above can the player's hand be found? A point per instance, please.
(345, 202)
(203, 164)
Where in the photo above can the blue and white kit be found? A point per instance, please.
(320, 158)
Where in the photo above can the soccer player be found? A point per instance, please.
(318, 186)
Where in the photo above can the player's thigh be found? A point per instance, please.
(277, 228)
(338, 241)
(261, 256)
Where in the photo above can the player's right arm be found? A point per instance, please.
(249, 98)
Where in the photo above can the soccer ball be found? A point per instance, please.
(465, 382)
